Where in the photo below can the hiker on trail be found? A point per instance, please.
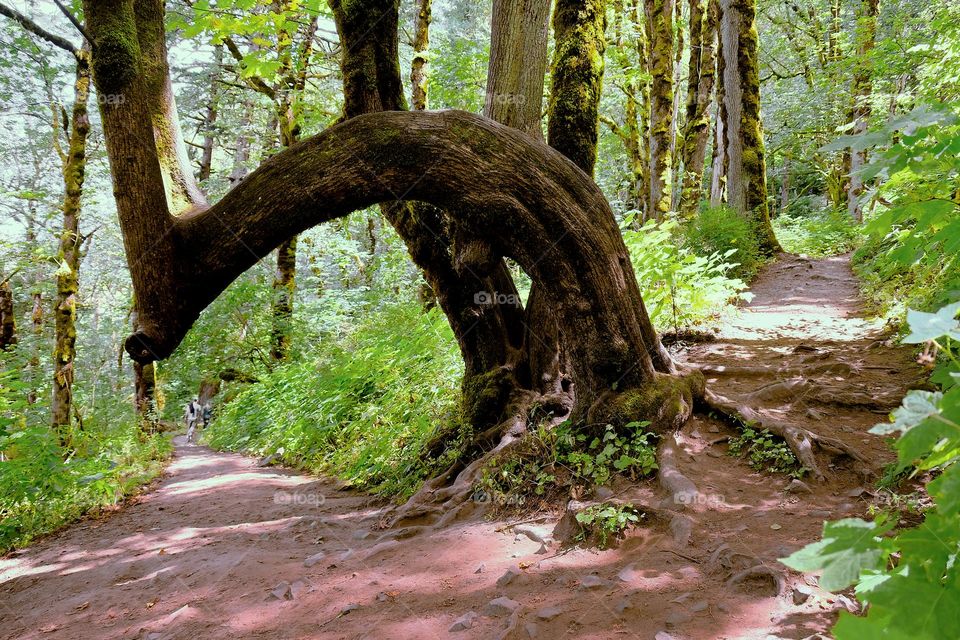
(191, 415)
(206, 413)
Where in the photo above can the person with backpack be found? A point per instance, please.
(191, 414)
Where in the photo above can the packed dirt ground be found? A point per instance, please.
(225, 548)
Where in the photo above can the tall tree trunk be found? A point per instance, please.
(8, 321)
(861, 87)
(419, 69)
(68, 253)
(703, 33)
(518, 62)
(210, 118)
(577, 78)
(746, 168)
(289, 99)
(659, 23)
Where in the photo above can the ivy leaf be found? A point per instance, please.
(848, 547)
(930, 326)
(946, 491)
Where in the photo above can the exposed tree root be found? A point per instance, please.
(801, 441)
(762, 572)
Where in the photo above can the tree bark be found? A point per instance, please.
(744, 153)
(659, 25)
(68, 253)
(419, 69)
(702, 74)
(8, 321)
(577, 78)
(518, 62)
(861, 86)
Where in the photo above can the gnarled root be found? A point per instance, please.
(801, 441)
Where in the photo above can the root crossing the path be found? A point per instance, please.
(224, 548)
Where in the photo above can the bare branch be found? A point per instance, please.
(37, 30)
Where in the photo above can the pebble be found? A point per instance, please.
(699, 605)
(798, 486)
(663, 635)
(628, 573)
(464, 622)
(353, 606)
(531, 629)
(622, 605)
(314, 559)
(282, 591)
(530, 532)
(678, 618)
(819, 513)
(800, 595)
(593, 582)
(508, 577)
(548, 613)
(502, 606)
(480, 568)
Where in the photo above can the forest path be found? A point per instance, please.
(220, 548)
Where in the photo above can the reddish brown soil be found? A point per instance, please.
(199, 556)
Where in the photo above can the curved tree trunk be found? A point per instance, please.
(746, 167)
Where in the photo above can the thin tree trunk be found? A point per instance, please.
(419, 69)
(659, 24)
(785, 186)
(144, 383)
(699, 96)
(746, 168)
(241, 153)
(68, 254)
(210, 118)
(289, 97)
(861, 87)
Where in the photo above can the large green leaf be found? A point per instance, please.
(848, 547)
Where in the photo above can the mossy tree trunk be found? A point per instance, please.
(744, 152)
(576, 79)
(144, 384)
(419, 68)
(659, 25)
(704, 16)
(68, 252)
(861, 86)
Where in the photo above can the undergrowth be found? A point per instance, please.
(40, 491)
(721, 231)
(361, 407)
(766, 452)
(817, 234)
(562, 461)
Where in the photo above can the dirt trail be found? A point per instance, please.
(200, 556)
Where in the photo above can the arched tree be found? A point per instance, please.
(505, 195)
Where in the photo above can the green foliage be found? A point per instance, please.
(680, 287)
(606, 522)
(563, 458)
(766, 452)
(721, 231)
(361, 407)
(40, 491)
(909, 257)
(909, 578)
(818, 235)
